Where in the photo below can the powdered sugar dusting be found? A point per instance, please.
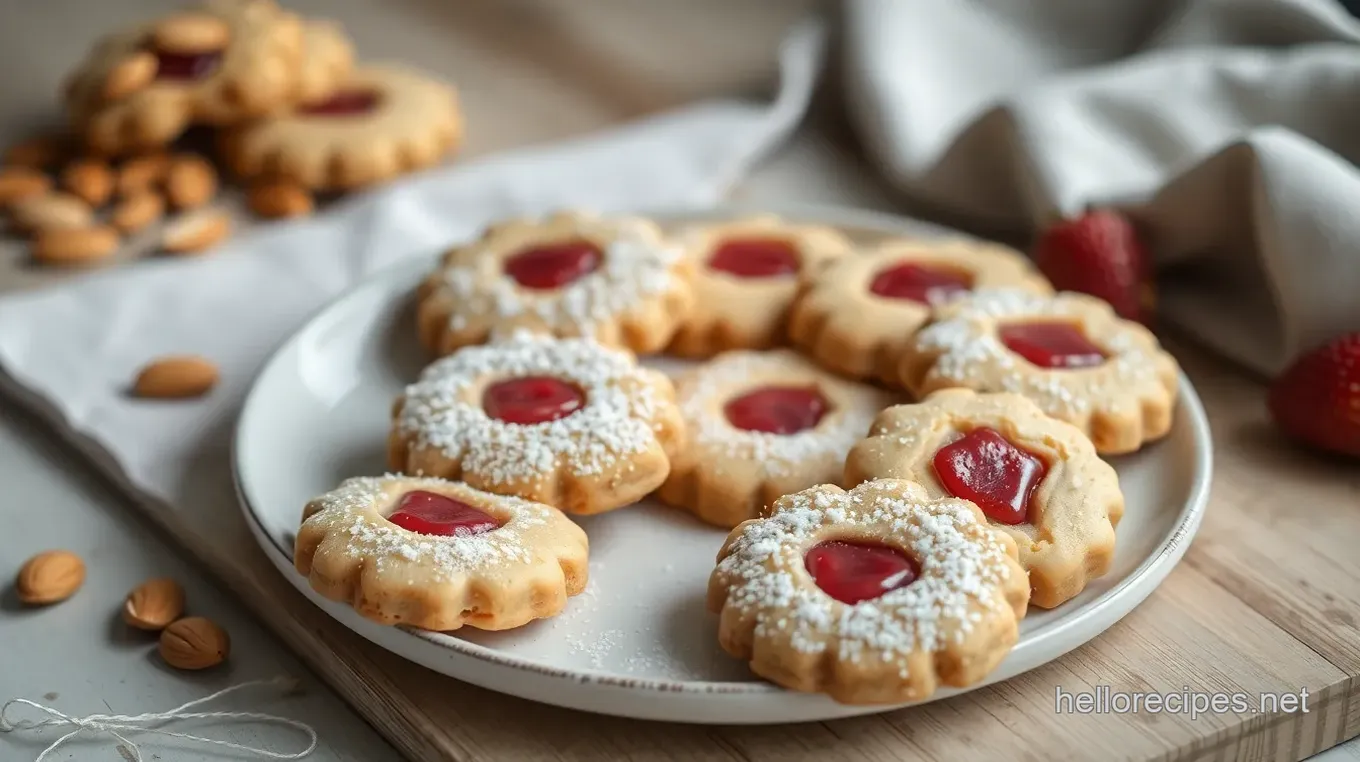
(962, 564)
(443, 409)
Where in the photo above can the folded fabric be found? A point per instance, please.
(1227, 128)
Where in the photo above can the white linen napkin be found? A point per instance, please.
(1228, 128)
(73, 349)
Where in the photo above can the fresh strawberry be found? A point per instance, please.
(1317, 399)
(1099, 254)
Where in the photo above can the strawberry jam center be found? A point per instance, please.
(919, 283)
(994, 474)
(532, 399)
(755, 258)
(777, 409)
(432, 513)
(553, 265)
(344, 103)
(852, 572)
(1052, 345)
(186, 66)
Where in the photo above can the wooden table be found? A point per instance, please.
(1267, 599)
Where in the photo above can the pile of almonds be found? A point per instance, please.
(156, 605)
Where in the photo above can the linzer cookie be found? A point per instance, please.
(874, 596)
(219, 63)
(748, 273)
(574, 274)
(439, 555)
(761, 425)
(1036, 478)
(381, 121)
(1068, 353)
(858, 314)
(565, 422)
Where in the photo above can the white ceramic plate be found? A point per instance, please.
(638, 643)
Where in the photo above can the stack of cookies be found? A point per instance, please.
(878, 549)
(279, 99)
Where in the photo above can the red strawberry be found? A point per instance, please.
(1317, 399)
(1099, 254)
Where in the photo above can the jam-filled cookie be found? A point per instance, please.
(858, 314)
(574, 274)
(566, 422)
(877, 595)
(761, 425)
(1036, 478)
(439, 555)
(219, 63)
(1070, 353)
(748, 273)
(381, 122)
(327, 59)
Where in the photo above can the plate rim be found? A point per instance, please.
(1171, 544)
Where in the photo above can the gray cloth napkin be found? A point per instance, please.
(1228, 129)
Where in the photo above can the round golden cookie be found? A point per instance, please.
(799, 421)
(941, 606)
(857, 315)
(1057, 499)
(748, 272)
(219, 63)
(382, 121)
(1069, 353)
(327, 60)
(574, 274)
(565, 422)
(439, 555)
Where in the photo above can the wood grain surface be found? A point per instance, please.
(1266, 600)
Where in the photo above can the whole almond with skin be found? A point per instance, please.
(75, 247)
(18, 183)
(194, 643)
(278, 199)
(35, 153)
(194, 232)
(190, 33)
(176, 377)
(154, 604)
(130, 75)
(142, 173)
(53, 211)
(50, 577)
(190, 181)
(91, 179)
(137, 211)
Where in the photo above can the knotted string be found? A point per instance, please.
(118, 724)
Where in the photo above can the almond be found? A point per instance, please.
(18, 183)
(51, 212)
(190, 181)
(154, 604)
(35, 153)
(176, 377)
(91, 179)
(194, 643)
(194, 232)
(130, 75)
(49, 577)
(274, 200)
(75, 247)
(137, 211)
(142, 173)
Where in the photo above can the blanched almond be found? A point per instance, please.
(49, 577)
(190, 32)
(137, 211)
(190, 181)
(273, 200)
(91, 179)
(176, 377)
(75, 247)
(130, 75)
(35, 153)
(196, 231)
(18, 183)
(52, 211)
(142, 173)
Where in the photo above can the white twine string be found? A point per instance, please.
(117, 724)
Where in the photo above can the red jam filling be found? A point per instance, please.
(777, 409)
(1052, 345)
(431, 513)
(919, 283)
(994, 474)
(553, 265)
(851, 572)
(755, 258)
(344, 103)
(186, 66)
(532, 399)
